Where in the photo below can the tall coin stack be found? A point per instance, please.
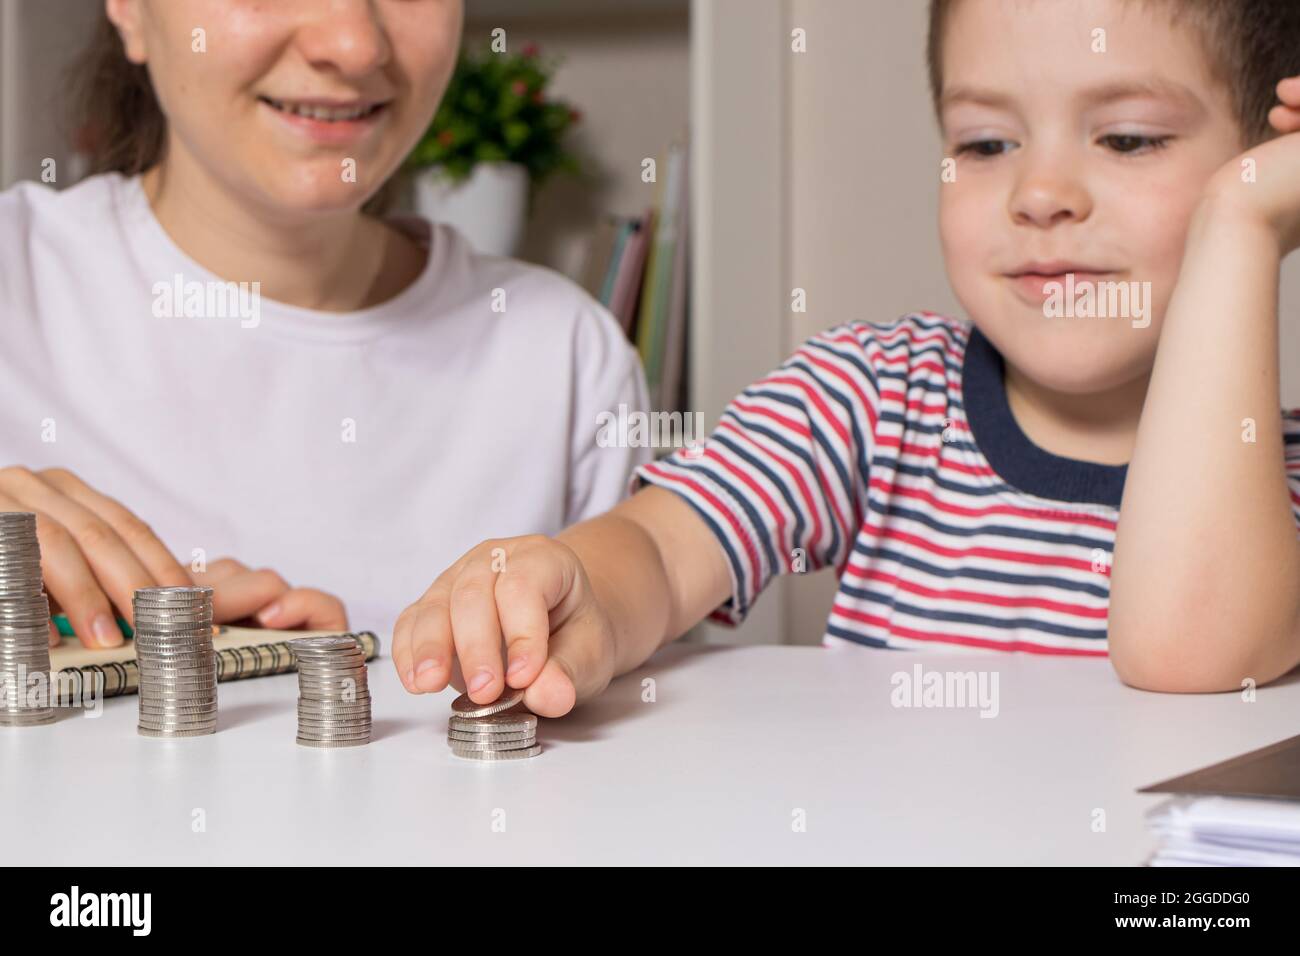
(333, 692)
(501, 730)
(178, 665)
(24, 625)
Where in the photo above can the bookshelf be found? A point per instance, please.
(645, 72)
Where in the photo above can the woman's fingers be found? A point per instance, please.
(245, 593)
(165, 570)
(305, 608)
(116, 569)
(218, 571)
(69, 581)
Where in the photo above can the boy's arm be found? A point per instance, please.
(656, 569)
(573, 611)
(1205, 591)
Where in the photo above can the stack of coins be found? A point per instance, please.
(333, 692)
(178, 665)
(501, 730)
(25, 689)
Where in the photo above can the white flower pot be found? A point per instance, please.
(490, 208)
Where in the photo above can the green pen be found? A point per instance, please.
(65, 626)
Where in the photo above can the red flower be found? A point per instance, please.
(519, 87)
(445, 138)
(575, 116)
(537, 97)
(531, 49)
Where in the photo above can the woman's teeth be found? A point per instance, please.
(325, 114)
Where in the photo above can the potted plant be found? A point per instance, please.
(496, 137)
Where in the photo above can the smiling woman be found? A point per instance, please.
(371, 422)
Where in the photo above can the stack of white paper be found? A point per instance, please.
(1226, 831)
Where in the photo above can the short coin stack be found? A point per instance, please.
(333, 692)
(501, 730)
(24, 625)
(177, 662)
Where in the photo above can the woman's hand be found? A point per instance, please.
(1272, 195)
(264, 596)
(94, 552)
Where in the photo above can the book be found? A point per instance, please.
(599, 254)
(1240, 812)
(240, 651)
(653, 321)
(674, 359)
(631, 270)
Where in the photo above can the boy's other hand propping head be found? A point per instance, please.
(1264, 181)
(526, 601)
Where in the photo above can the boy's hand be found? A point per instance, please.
(238, 593)
(529, 597)
(1273, 198)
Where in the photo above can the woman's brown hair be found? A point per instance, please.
(116, 120)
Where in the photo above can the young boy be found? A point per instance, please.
(965, 478)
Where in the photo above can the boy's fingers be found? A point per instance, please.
(554, 693)
(532, 582)
(578, 667)
(475, 627)
(1285, 119)
(429, 658)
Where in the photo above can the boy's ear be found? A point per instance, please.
(126, 16)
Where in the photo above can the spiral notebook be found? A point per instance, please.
(240, 651)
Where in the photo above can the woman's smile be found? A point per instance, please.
(326, 122)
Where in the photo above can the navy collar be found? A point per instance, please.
(1016, 459)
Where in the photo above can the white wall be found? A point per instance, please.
(38, 38)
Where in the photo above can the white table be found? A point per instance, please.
(713, 771)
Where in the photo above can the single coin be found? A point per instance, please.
(462, 706)
(488, 755)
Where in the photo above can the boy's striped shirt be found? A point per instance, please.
(890, 453)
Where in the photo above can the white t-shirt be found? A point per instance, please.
(360, 453)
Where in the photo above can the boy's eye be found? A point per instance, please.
(1128, 143)
(983, 148)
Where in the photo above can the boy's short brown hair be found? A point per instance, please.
(1250, 46)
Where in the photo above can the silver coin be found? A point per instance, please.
(503, 722)
(462, 706)
(150, 732)
(331, 744)
(492, 745)
(502, 738)
(489, 755)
